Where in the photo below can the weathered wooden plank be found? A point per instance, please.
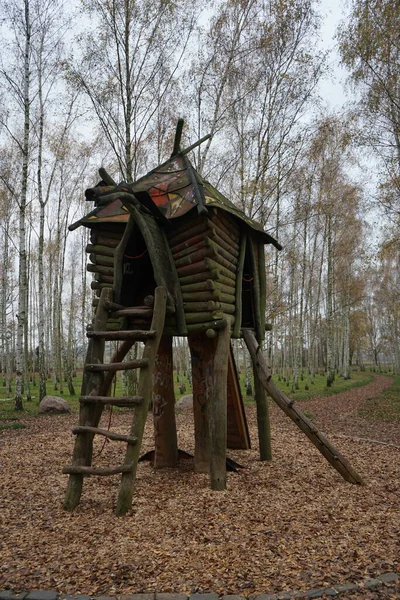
(322, 444)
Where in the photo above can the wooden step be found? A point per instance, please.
(120, 401)
(134, 334)
(97, 470)
(119, 366)
(111, 435)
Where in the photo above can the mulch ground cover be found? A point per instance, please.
(292, 523)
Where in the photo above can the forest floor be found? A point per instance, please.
(292, 523)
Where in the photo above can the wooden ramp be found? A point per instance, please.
(331, 454)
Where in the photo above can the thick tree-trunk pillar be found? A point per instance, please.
(217, 413)
(202, 350)
(165, 436)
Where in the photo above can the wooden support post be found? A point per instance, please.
(263, 424)
(165, 436)
(217, 417)
(322, 444)
(202, 350)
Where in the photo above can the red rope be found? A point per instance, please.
(135, 257)
(105, 439)
(248, 279)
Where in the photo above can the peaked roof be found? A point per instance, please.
(174, 188)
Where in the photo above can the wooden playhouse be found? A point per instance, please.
(171, 256)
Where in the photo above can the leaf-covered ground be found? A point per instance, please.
(289, 524)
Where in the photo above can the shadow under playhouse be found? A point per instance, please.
(171, 256)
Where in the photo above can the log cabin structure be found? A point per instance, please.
(171, 256)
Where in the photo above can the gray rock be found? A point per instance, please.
(54, 405)
(185, 403)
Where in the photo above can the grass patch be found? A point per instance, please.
(12, 426)
(386, 406)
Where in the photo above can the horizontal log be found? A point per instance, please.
(100, 269)
(138, 363)
(205, 296)
(226, 223)
(110, 435)
(228, 308)
(194, 269)
(106, 231)
(185, 233)
(200, 297)
(98, 259)
(121, 401)
(202, 286)
(202, 317)
(138, 335)
(216, 325)
(195, 257)
(194, 253)
(104, 278)
(212, 274)
(189, 243)
(108, 241)
(208, 306)
(225, 242)
(191, 249)
(101, 250)
(95, 285)
(87, 471)
(230, 255)
(228, 273)
(231, 265)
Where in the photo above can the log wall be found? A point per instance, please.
(206, 254)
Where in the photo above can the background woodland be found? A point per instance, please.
(102, 83)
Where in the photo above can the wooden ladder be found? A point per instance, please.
(96, 385)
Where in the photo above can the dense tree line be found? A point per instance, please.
(102, 83)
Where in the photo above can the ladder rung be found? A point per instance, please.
(70, 470)
(134, 334)
(113, 400)
(111, 435)
(119, 366)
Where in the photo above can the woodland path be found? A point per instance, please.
(291, 524)
(339, 413)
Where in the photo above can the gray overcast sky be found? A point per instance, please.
(332, 88)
